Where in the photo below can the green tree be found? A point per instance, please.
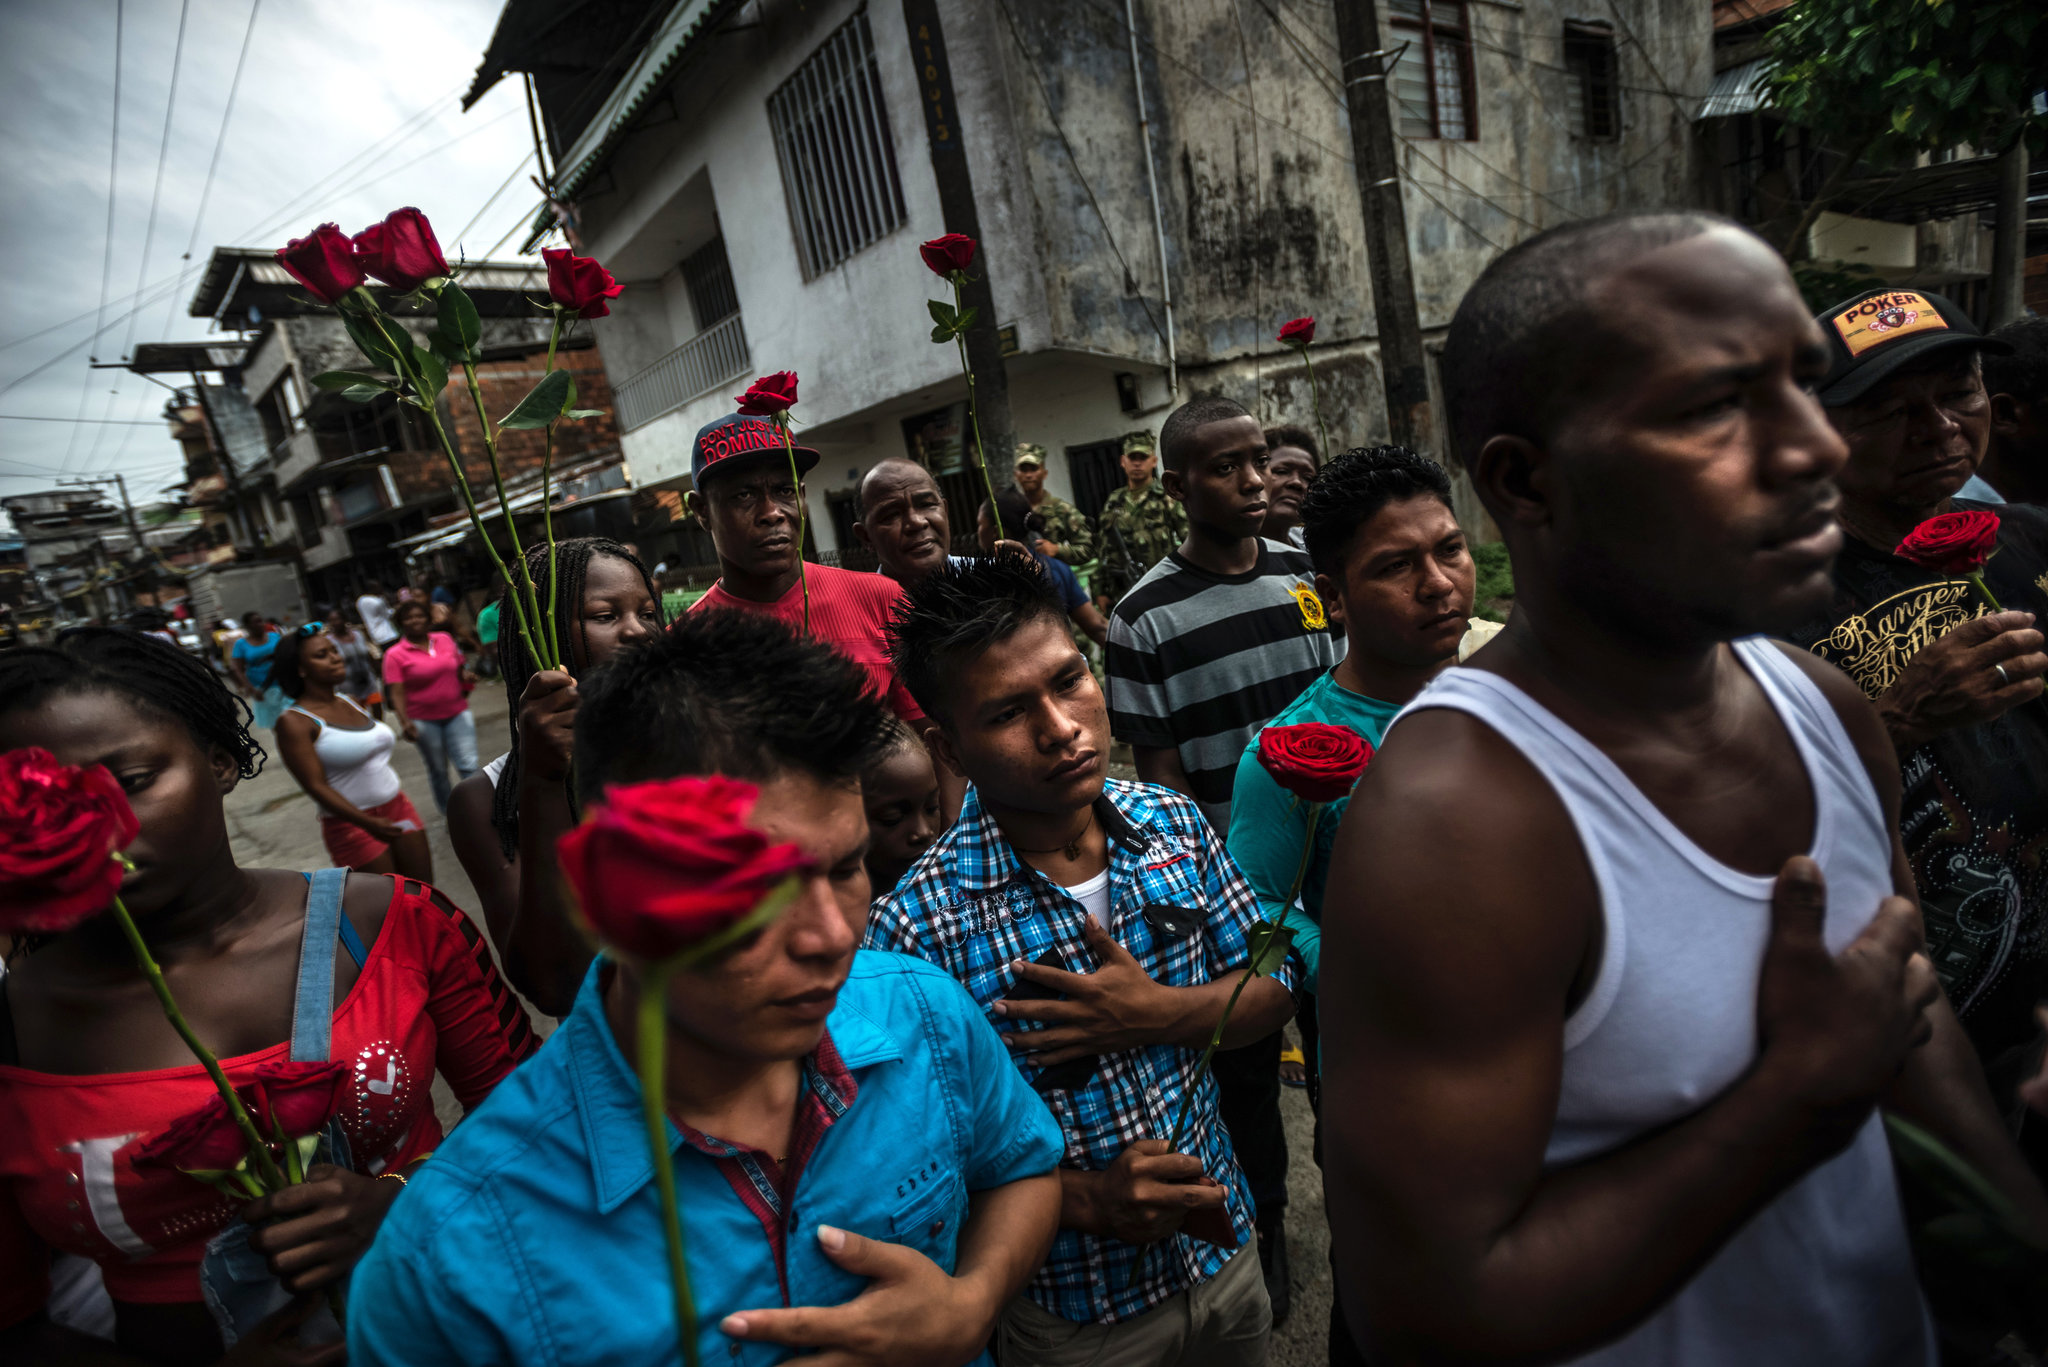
(1883, 80)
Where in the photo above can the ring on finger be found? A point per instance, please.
(2003, 677)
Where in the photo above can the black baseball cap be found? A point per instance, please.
(741, 438)
(1881, 332)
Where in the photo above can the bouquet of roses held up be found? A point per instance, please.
(403, 253)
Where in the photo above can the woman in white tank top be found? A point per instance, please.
(341, 756)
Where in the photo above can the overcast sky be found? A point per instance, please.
(324, 83)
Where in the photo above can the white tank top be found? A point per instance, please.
(358, 763)
(1823, 1274)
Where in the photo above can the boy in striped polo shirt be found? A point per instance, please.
(1210, 645)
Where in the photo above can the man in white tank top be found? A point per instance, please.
(1614, 979)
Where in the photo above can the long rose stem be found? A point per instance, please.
(259, 1152)
(1977, 578)
(433, 412)
(1315, 812)
(652, 1061)
(1316, 395)
(803, 580)
(974, 417)
(476, 395)
(547, 501)
(1202, 1065)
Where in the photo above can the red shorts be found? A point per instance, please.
(351, 846)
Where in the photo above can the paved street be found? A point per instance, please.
(274, 824)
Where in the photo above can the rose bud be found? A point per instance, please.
(769, 395)
(953, 252)
(579, 283)
(1314, 761)
(1954, 543)
(324, 263)
(401, 251)
(660, 867)
(60, 827)
(1299, 332)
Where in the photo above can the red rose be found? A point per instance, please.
(324, 263)
(1314, 761)
(953, 252)
(579, 283)
(199, 1141)
(659, 867)
(769, 395)
(1299, 333)
(401, 251)
(1954, 543)
(60, 827)
(292, 1099)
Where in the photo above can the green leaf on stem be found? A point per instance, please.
(456, 325)
(942, 312)
(965, 320)
(942, 334)
(349, 379)
(371, 342)
(578, 414)
(364, 393)
(431, 369)
(542, 405)
(1269, 945)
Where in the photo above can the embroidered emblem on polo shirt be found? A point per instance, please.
(1313, 617)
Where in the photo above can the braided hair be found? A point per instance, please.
(572, 642)
(149, 671)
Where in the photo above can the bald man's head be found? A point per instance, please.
(902, 519)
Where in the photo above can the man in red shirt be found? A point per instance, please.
(748, 500)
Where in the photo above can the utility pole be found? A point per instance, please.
(134, 529)
(956, 205)
(2009, 237)
(1402, 367)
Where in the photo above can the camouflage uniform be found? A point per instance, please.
(1065, 525)
(1136, 530)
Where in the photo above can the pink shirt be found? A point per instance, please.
(431, 675)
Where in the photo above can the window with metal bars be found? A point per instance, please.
(708, 277)
(1592, 94)
(1433, 74)
(832, 138)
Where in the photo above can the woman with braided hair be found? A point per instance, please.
(519, 803)
(90, 1069)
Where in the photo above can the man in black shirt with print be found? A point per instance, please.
(1957, 683)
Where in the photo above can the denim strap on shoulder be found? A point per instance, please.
(313, 1007)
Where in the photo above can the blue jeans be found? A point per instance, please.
(441, 742)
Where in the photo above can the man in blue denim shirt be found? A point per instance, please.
(859, 1167)
(1105, 920)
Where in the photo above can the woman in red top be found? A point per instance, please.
(427, 683)
(90, 1069)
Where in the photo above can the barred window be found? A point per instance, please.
(832, 138)
(1433, 75)
(1592, 96)
(708, 277)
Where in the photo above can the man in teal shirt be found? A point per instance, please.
(1393, 569)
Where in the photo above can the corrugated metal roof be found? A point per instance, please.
(1738, 90)
(650, 71)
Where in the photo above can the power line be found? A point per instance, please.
(478, 217)
(112, 422)
(113, 174)
(163, 148)
(517, 224)
(213, 163)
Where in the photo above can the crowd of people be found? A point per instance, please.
(1651, 910)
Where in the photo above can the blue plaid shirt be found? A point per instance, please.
(972, 907)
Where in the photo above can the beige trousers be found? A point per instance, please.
(1224, 1322)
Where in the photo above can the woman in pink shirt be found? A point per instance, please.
(426, 685)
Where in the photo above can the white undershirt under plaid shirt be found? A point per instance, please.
(1179, 904)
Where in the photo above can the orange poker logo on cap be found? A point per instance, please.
(1885, 317)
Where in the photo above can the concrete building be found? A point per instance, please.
(759, 175)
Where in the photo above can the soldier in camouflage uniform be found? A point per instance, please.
(1067, 528)
(1139, 522)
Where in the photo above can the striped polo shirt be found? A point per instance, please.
(1201, 661)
